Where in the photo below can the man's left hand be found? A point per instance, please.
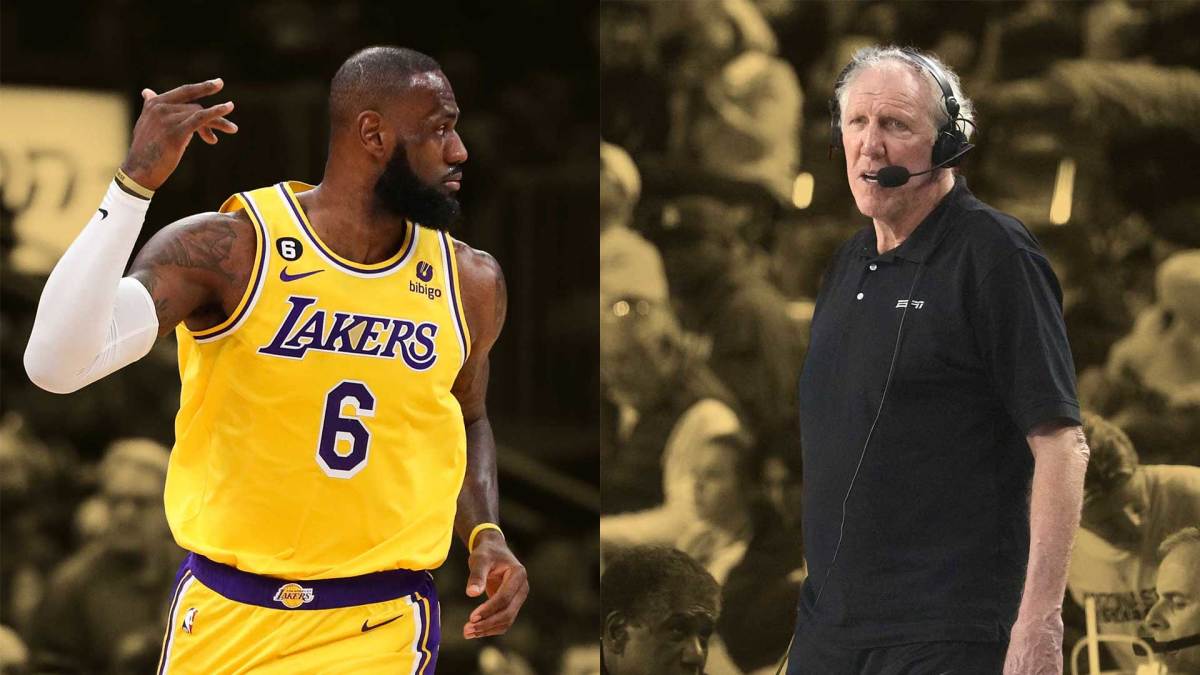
(1035, 647)
(494, 568)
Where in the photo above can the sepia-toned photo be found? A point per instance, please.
(870, 274)
(296, 305)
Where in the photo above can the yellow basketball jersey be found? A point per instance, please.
(317, 436)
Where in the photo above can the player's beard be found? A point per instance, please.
(401, 192)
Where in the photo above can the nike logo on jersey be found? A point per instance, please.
(346, 333)
(366, 627)
(285, 277)
(103, 213)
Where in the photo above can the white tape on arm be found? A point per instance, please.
(90, 321)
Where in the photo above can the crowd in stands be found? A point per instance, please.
(722, 201)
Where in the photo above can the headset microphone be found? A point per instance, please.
(1173, 645)
(895, 176)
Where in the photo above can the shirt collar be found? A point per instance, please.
(925, 238)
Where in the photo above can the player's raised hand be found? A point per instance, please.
(166, 126)
(495, 569)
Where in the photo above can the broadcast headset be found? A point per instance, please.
(948, 147)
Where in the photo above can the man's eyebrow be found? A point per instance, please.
(443, 112)
(701, 614)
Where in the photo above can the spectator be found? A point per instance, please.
(33, 525)
(1175, 618)
(660, 607)
(1163, 351)
(1128, 511)
(706, 420)
(654, 379)
(757, 348)
(741, 541)
(736, 107)
(718, 538)
(1151, 384)
(103, 610)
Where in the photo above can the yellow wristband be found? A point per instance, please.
(133, 186)
(480, 528)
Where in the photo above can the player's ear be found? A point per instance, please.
(616, 631)
(371, 134)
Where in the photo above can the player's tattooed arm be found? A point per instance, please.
(493, 567)
(197, 268)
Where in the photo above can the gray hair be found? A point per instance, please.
(875, 55)
(1188, 535)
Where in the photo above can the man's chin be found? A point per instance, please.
(1184, 661)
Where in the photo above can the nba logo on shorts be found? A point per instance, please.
(294, 595)
(424, 271)
(189, 619)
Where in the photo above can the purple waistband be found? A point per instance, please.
(253, 589)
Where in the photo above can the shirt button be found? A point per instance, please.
(874, 267)
(859, 296)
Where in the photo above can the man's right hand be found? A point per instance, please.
(165, 128)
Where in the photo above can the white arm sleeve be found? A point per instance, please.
(90, 321)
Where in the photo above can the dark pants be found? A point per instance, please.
(815, 657)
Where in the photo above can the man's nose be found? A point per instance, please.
(693, 652)
(872, 141)
(456, 152)
(1155, 618)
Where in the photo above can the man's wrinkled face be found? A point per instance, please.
(425, 170)
(1118, 515)
(1177, 613)
(886, 121)
(636, 362)
(670, 642)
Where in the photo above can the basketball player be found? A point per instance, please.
(333, 351)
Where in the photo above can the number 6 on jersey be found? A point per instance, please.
(335, 429)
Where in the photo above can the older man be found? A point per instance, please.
(938, 387)
(1174, 620)
(660, 608)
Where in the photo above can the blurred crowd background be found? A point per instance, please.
(721, 204)
(86, 562)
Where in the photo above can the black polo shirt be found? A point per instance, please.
(937, 526)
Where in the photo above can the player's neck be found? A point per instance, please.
(349, 221)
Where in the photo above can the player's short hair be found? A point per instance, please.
(371, 75)
(640, 581)
(1113, 457)
(1188, 535)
